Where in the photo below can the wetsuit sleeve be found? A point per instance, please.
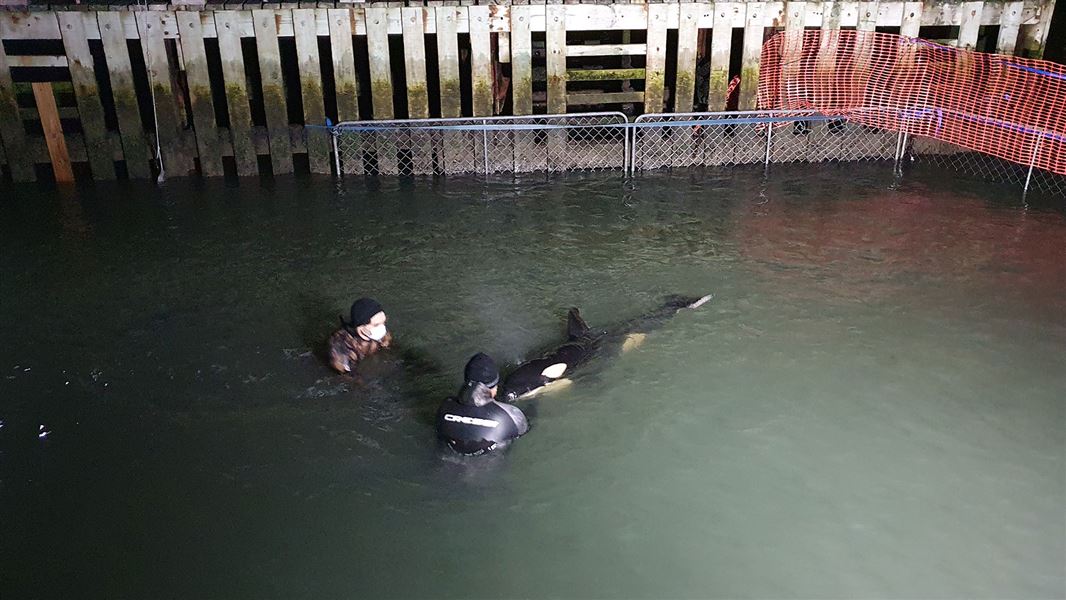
(517, 416)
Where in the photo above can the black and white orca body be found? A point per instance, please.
(582, 344)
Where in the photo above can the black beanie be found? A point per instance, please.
(363, 310)
(482, 369)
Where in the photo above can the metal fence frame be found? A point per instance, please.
(659, 140)
(873, 143)
(539, 128)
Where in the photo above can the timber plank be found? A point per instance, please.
(124, 94)
(274, 105)
(233, 74)
(86, 92)
(314, 108)
(202, 105)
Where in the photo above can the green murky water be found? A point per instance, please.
(873, 406)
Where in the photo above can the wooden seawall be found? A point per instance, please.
(85, 93)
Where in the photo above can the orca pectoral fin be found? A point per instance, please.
(701, 301)
(554, 371)
(633, 341)
(557, 385)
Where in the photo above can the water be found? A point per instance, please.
(872, 406)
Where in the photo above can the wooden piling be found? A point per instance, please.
(414, 56)
(377, 39)
(421, 143)
(721, 40)
(1034, 37)
(448, 61)
(124, 94)
(12, 133)
(304, 22)
(687, 34)
(1009, 26)
(168, 122)
(202, 105)
(86, 92)
(970, 27)
(344, 75)
(227, 24)
(521, 60)
(867, 16)
(752, 53)
(825, 67)
(655, 63)
(274, 105)
(555, 48)
(53, 132)
(481, 75)
(912, 19)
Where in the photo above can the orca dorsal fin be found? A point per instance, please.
(575, 325)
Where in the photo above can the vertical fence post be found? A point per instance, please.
(485, 143)
(336, 152)
(896, 154)
(627, 156)
(1032, 163)
(769, 136)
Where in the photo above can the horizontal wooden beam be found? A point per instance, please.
(579, 17)
(585, 99)
(603, 74)
(32, 61)
(607, 50)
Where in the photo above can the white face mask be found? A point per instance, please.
(376, 333)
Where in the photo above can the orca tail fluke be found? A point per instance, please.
(575, 325)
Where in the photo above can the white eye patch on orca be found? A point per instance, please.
(555, 371)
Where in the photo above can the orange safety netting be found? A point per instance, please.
(1010, 107)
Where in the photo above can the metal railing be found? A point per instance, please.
(609, 141)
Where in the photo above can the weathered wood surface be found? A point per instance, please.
(124, 94)
(521, 61)
(481, 73)
(202, 105)
(86, 92)
(607, 50)
(12, 133)
(580, 17)
(236, 82)
(751, 54)
(380, 64)
(687, 34)
(314, 109)
(655, 63)
(555, 46)
(344, 74)
(448, 61)
(53, 132)
(1009, 27)
(414, 58)
(589, 98)
(274, 104)
(176, 160)
(721, 40)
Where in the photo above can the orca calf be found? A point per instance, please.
(583, 343)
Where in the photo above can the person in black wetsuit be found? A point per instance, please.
(474, 422)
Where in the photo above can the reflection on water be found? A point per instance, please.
(871, 406)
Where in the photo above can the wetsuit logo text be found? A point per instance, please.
(470, 420)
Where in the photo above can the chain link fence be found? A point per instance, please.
(578, 142)
(751, 137)
(942, 156)
(608, 141)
